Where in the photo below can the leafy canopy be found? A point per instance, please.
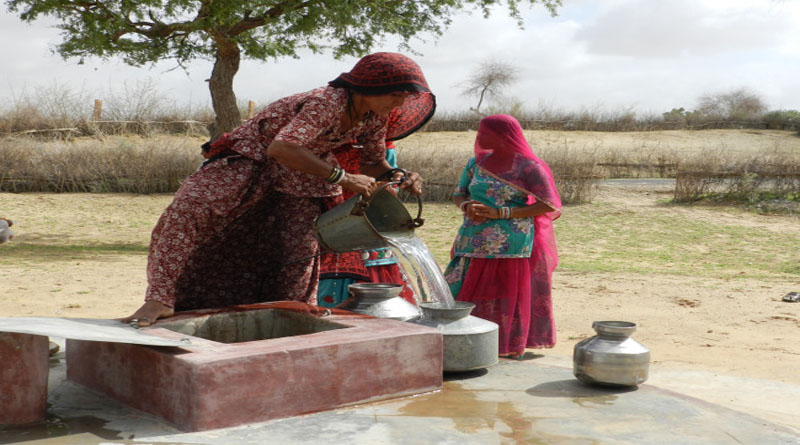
(142, 31)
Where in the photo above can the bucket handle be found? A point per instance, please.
(362, 205)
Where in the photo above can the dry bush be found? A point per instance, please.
(575, 173)
(439, 166)
(57, 111)
(118, 164)
(757, 179)
(649, 161)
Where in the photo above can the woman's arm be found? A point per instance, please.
(302, 159)
(535, 209)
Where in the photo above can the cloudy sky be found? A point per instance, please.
(647, 56)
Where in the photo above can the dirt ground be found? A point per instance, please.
(734, 327)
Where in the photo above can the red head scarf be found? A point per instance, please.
(384, 73)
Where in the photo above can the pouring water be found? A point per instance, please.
(431, 285)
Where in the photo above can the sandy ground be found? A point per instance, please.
(734, 327)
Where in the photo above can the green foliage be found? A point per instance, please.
(149, 30)
(782, 116)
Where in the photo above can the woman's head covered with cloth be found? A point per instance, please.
(385, 73)
(501, 150)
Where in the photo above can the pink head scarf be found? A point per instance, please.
(502, 150)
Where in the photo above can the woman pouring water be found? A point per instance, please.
(239, 229)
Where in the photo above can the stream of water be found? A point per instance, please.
(431, 285)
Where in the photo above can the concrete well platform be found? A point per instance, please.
(260, 362)
(533, 401)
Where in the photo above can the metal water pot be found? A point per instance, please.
(469, 342)
(612, 357)
(360, 223)
(382, 300)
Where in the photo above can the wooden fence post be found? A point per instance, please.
(98, 109)
(251, 109)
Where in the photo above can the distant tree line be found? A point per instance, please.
(140, 108)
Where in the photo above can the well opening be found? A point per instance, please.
(244, 326)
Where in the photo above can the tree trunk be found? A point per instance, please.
(223, 99)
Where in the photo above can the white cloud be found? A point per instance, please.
(646, 55)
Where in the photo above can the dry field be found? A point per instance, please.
(83, 255)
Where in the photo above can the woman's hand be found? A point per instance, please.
(412, 183)
(479, 212)
(148, 314)
(361, 184)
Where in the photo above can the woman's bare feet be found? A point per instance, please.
(149, 313)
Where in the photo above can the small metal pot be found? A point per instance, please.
(382, 300)
(612, 357)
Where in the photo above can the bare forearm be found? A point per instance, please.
(484, 211)
(535, 209)
(375, 170)
(299, 158)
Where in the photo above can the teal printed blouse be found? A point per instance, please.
(493, 238)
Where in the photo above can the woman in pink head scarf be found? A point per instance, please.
(505, 251)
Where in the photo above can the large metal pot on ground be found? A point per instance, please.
(612, 357)
(470, 342)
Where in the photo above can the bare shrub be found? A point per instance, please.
(739, 104)
(575, 173)
(120, 164)
(134, 101)
(440, 167)
(754, 179)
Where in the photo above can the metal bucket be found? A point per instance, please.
(360, 223)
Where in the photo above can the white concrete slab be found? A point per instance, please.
(89, 329)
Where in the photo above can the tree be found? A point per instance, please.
(489, 80)
(737, 104)
(147, 31)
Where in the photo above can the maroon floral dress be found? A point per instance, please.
(239, 229)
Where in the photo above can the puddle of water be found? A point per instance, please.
(471, 415)
(55, 427)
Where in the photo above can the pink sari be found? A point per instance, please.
(516, 293)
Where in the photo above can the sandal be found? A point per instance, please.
(513, 355)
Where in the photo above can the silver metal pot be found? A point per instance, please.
(382, 300)
(469, 342)
(612, 357)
